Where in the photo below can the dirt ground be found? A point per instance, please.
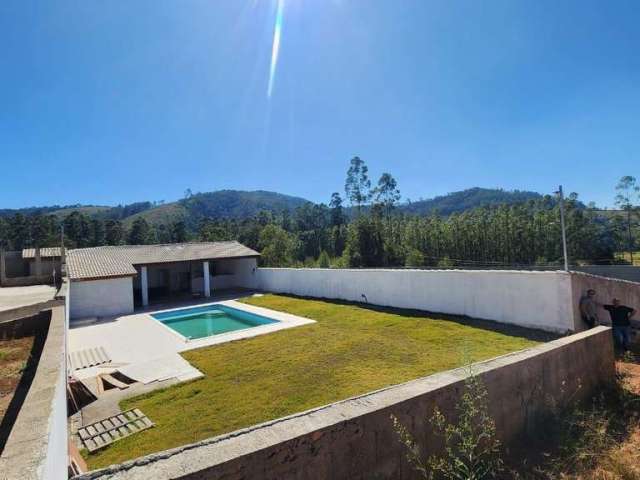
(14, 358)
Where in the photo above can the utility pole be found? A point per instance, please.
(562, 226)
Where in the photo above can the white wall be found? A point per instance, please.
(530, 299)
(229, 273)
(606, 290)
(101, 298)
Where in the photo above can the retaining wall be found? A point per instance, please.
(529, 299)
(354, 439)
(37, 445)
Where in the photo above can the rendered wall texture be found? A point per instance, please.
(37, 445)
(529, 299)
(101, 298)
(606, 289)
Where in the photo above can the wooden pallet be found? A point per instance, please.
(104, 432)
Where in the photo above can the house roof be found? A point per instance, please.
(44, 252)
(119, 261)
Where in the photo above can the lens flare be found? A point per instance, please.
(275, 49)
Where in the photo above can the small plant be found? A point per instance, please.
(471, 449)
(323, 260)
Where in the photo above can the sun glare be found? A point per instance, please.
(275, 49)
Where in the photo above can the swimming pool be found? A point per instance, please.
(200, 322)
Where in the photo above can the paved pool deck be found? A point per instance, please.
(148, 351)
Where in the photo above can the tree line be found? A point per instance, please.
(364, 228)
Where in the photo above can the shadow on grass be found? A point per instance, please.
(490, 325)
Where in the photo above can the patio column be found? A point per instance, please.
(207, 284)
(144, 285)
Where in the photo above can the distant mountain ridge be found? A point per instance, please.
(239, 204)
(456, 202)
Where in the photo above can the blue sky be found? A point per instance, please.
(115, 102)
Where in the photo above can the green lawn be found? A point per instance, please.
(352, 349)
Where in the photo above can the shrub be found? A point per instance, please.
(471, 449)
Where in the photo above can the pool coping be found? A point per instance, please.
(283, 321)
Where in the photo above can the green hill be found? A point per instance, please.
(457, 202)
(240, 204)
(219, 204)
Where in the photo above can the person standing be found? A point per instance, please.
(621, 322)
(589, 308)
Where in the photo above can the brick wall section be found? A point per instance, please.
(354, 439)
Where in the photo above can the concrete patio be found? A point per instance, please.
(18, 297)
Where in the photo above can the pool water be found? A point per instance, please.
(200, 322)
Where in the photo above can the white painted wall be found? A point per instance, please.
(227, 273)
(101, 298)
(530, 299)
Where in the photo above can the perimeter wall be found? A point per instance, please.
(354, 439)
(529, 299)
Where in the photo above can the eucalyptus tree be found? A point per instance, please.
(627, 191)
(387, 193)
(114, 232)
(337, 213)
(357, 187)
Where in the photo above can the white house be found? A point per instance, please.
(109, 281)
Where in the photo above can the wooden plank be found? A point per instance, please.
(114, 381)
(147, 423)
(108, 430)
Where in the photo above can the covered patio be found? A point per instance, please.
(112, 281)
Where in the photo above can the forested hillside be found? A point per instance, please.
(368, 226)
(457, 202)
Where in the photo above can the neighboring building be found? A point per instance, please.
(50, 258)
(109, 281)
(31, 266)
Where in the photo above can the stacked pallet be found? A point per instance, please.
(111, 429)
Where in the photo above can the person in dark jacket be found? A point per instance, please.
(589, 308)
(621, 322)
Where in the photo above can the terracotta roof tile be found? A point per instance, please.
(44, 252)
(105, 262)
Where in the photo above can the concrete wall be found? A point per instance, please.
(606, 289)
(14, 264)
(530, 299)
(354, 439)
(101, 298)
(47, 267)
(37, 445)
(226, 274)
